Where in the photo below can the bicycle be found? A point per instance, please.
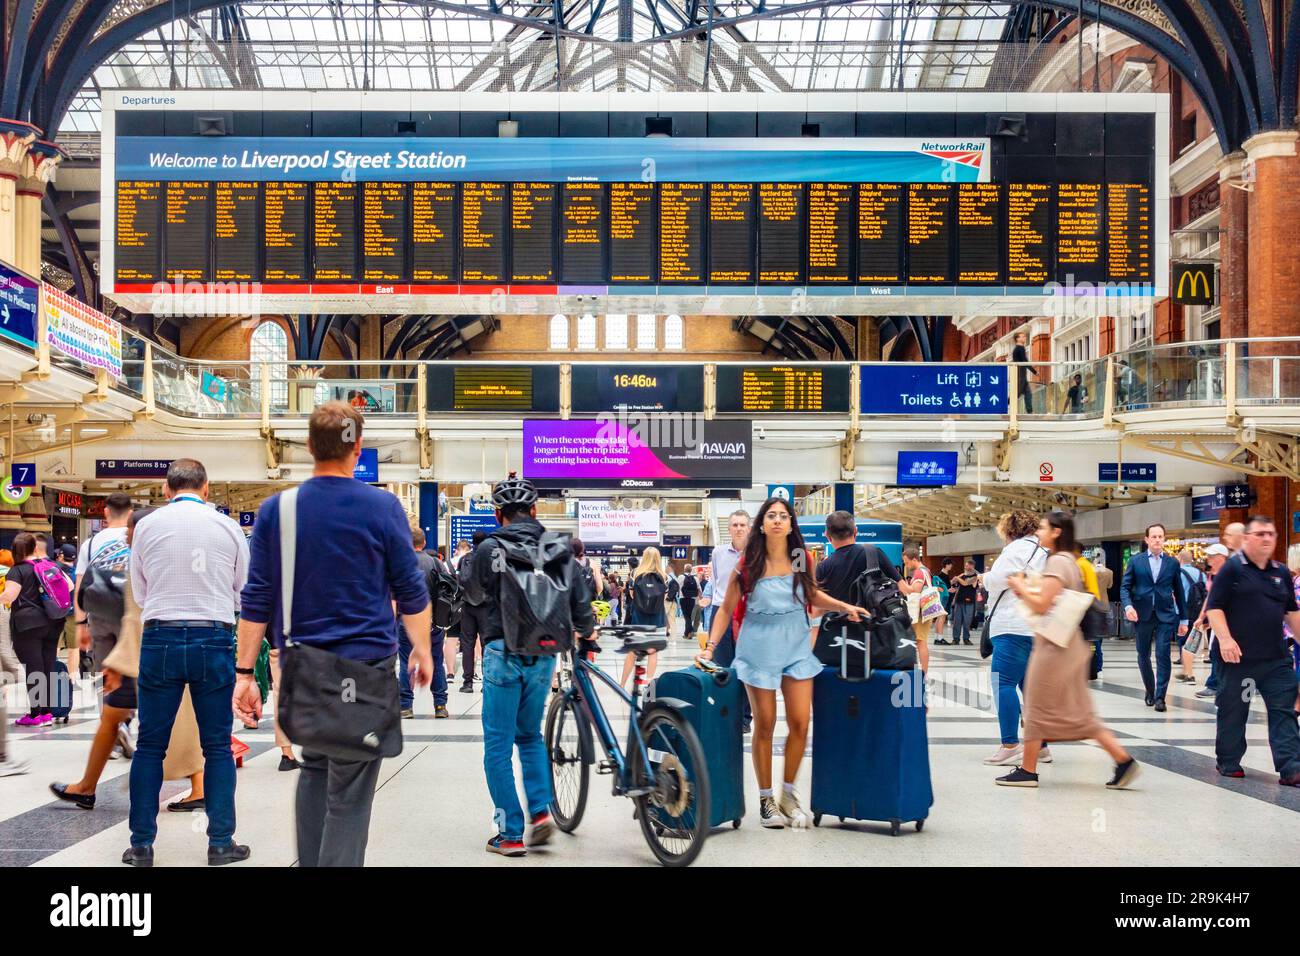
(662, 767)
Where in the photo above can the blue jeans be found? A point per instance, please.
(962, 616)
(1010, 661)
(515, 689)
(1151, 631)
(171, 658)
(439, 683)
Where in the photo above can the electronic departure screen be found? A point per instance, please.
(483, 232)
(433, 232)
(334, 232)
(1029, 233)
(929, 229)
(284, 225)
(532, 214)
(1080, 234)
(880, 217)
(638, 388)
(582, 232)
(383, 232)
(830, 233)
(186, 225)
(236, 231)
(731, 233)
(1128, 232)
(783, 388)
(138, 231)
(781, 226)
(979, 224)
(494, 388)
(681, 233)
(633, 234)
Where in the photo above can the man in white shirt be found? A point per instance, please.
(723, 566)
(188, 565)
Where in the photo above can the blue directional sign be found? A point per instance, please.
(132, 467)
(927, 469)
(367, 465)
(24, 474)
(1205, 510)
(481, 506)
(1131, 471)
(1232, 496)
(924, 388)
(246, 518)
(464, 526)
(20, 299)
(222, 509)
(680, 553)
(885, 535)
(784, 492)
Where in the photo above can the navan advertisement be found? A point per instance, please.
(667, 451)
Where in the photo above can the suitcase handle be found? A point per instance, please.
(721, 675)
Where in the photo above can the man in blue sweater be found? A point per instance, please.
(353, 560)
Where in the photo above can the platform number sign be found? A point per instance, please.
(24, 474)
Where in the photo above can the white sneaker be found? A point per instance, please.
(769, 815)
(124, 741)
(12, 767)
(792, 811)
(1044, 755)
(1006, 756)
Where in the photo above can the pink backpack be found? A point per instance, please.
(56, 589)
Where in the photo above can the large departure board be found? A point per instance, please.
(284, 231)
(582, 232)
(494, 388)
(979, 232)
(334, 232)
(633, 232)
(383, 232)
(929, 233)
(830, 233)
(138, 232)
(236, 231)
(532, 234)
(880, 217)
(783, 388)
(731, 233)
(1080, 232)
(1128, 232)
(433, 232)
(781, 225)
(681, 233)
(186, 215)
(1029, 233)
(483, 232)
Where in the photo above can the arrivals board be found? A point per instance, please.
(927, 218)
(783, 388)
(457, 387)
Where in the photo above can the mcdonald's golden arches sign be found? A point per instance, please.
(1193, 283)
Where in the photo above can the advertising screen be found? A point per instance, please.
(598, 523)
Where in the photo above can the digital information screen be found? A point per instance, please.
(383, 232)
(638, 388)
(483, 232)
(681, 233)
(830, 233)
(1080, 235)
(979, 224)
(731, 233)
(929, 233)
(284, 231)
(781, 226)
(334, 232)
(1029, 233)
(494, 388)
(186, 224)
(532, 214)
(582, 232)
(632, 233)
(1128, 232)
(433, 232)
(880, 216)
(236, 233)
(783, 388)
(139, 228)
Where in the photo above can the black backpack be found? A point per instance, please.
(589, 579)
(1196, 595)
(536, 614)
(648, 593)
(690, 587)
(877, 591)
(464, 571)
(445, 594)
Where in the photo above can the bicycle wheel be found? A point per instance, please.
(674, 816)
(567, 738)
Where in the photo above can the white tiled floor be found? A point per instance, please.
(432, 806)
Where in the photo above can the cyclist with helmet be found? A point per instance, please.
(516, 686)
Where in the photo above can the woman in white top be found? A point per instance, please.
(1011, 636)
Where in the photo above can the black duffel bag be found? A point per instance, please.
(347, 710)
(886, 643)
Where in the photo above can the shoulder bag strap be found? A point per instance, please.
(288, 555)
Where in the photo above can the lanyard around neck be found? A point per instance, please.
(194, 498)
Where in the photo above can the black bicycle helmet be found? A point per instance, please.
(514, 492)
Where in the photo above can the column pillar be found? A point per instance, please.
(1273, 211)
(38, 172)
(15, 139)
(1234, 247)
(1272, 500)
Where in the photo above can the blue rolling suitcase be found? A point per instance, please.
(716, 700)
(870, 757)
(61, 693)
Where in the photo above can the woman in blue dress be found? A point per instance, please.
(774, 648)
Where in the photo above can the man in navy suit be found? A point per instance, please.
(1153, 599)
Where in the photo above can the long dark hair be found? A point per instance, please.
(1063, 522)
(754, 560)
(24, 546)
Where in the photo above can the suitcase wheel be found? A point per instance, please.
(920, 825)
(895, 827)
(817, 819)
(735, 824)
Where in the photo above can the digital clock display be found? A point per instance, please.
(640, 388)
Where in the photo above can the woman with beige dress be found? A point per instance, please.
(1058, 704)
